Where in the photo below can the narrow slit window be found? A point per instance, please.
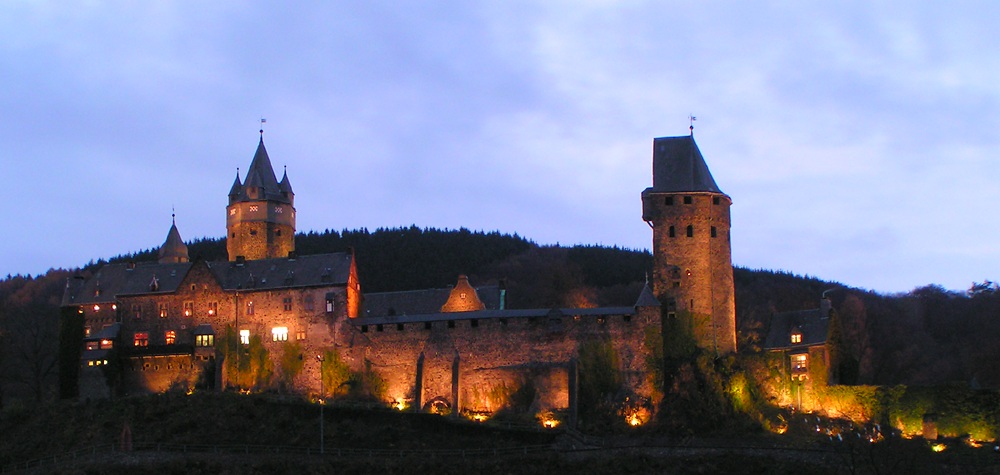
(690, 231)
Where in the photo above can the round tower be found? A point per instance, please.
(692, 259)
(260, 218)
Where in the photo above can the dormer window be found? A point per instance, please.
(796, 337)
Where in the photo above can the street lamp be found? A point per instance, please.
(322, 402)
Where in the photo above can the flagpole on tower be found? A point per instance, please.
(691, 118)
(262, 122)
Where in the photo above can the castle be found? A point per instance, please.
(268, 317)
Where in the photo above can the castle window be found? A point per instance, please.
(364, 328)
(677, 284)
(279, 334)
(399, 327)
(329, 303)
(188, 309)
(107, 344)
(690, 231)
(713, 231)
(253, 232)
(253, 208)
(800, 363)
(170, 337)
(194, 287)
(244, 337)
(92, 345)
(300, 335)
(86, 331)
(474, 323)
(715, 200)
(204, 340)
(379, 327)
(687, 200)
(600, 320)
(277, 233)
(669, 201)
(796, 337)
(286, 303)
(627, 318)
(451, 324)
(671, 231)
(427, 325)
(137, 310)
(250, 307)
(141, 339)
(164, 309)
(503, 322)
(308, 301)
(213, 308)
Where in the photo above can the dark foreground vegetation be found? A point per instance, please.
(235, 433)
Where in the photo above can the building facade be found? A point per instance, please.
(182, 325)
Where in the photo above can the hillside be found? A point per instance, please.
(927, 336)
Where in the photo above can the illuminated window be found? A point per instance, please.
(800, 362)
(250, 308)
(204, 340)
(92, 345)
(170, 336)
(796, 337)
(213, 308)
(97, 308)
(245, 337)
(164, 308)
(300, 335)
(86, 331)
(286, 304)
(279, 334)
(106, 344)
(188, 309)
(329, 303)
(141, 339)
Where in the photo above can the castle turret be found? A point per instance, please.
(173, 250)
(692, 259)
(260, 218)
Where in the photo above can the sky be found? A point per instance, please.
(858, 140)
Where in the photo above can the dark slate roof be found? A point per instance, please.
(237, 188)
(285, 186)
(419, 302)
(812, 323)
(678, 166)
(124, 279)
(174, 247)
(261, 175)
(646, 298)
(303, 271)
(132, 279)
(494, 314)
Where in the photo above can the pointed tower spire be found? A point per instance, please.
(173, 249)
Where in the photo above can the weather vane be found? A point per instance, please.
(691, 118)
(262, 122)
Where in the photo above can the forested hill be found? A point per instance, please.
(927, 336)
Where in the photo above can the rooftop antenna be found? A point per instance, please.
(691, 118)
(262, 122)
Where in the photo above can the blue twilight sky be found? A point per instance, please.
(858, 140)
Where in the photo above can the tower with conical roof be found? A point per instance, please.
(692, 259)
(260, 218)
(173, 250)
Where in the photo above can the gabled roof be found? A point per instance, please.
(126, 279)
(813, 325)
(419, 302)
(302, 271)
(114, 280)
(678, 166)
